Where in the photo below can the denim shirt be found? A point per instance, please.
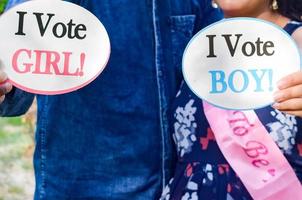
(111, 139)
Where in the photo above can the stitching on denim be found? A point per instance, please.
(42, 192)
(159, 74)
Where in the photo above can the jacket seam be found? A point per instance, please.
(42, 192)
(159, 74)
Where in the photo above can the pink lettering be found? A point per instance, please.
(26, 66)
(254, 149)
(260, 162)
(46, 62)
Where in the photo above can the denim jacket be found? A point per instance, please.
(111, 139)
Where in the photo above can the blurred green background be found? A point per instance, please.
(2, 5)
(16, 150)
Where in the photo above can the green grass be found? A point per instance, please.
(15, 190)
(2, 5)
(16, 171)
(15, 121)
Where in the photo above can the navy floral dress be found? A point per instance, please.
(202, 173)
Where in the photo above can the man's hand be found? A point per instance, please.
(5, 86)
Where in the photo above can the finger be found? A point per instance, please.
(289, 93)
(295, 113)
(290, 80)
(5, 88)
(289, 105)
(9, 87)
(3, 76)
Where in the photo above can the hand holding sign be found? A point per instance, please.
(289, 98)
(5, 86)
(52, 46)
(236, 63)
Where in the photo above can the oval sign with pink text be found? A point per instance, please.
(52, 47)
(236, 63)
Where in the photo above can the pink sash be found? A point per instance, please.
(253, 154)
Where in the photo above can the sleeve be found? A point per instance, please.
(17, 102)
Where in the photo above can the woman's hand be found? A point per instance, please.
(5, 86)
(289, 97)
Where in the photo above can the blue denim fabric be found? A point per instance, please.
(111, 139)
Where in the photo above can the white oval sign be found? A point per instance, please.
(236, 63)
(52, 46)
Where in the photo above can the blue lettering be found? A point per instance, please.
(245, 81)
(218, 77)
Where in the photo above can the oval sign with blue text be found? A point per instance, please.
(236, 63)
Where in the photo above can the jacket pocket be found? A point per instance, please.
(182, 28)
